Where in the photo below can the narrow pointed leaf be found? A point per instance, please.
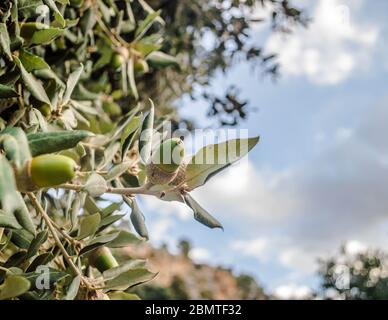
(200, 214)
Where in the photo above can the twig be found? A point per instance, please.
(122, 191)
(51, 227)
(72, 241)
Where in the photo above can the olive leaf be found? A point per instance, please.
(73, 288)
(124, 239)
(137, 217)
(88, 225)
(71, 83)
(15, 145)
(99, 242)
(35, 33)
(32, 84)
(200, 214)
(146, 135)
(8, 221)
(120, 295)
(146, 24)
(51, 142)
(118, 170)
(7, 92)
(162, 60)
(95, 186)
(32, 62)
(214, 158)
(5, 42)
(54, 276)
(12, 202)
(57, 14)
(40, 238)
(129, 134)
(127, 275)
(13, 287)
(131, 77)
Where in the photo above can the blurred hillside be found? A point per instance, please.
(181, 278)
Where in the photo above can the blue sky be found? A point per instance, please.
(318, 178)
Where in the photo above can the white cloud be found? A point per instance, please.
(333, 46)
(308, 212)
(200, 254)
(159, 230)
(292, 291)
(354, 247)
(298, 260)
(256, 248)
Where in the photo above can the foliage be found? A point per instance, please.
(211, 37)
(361, 276)
(71, 75)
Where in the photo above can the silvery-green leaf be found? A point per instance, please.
(118, 170)
(51, 142)
(72, 290)
(137, 218)
(57, 14)
(131, 77)
(124, 239)
(129, 279)
(99, 242)
(128, 135)
(8, 221)
(214, 158)
(32, 62)
(161, 59)
(71, 83)
(122, 268)
(146, 135)
(88, 225)
(120, 295)
(95, 186)
(5, 41)
(13, 287)
(21, 153)
(7, 92)
(12, 202)
(36, 243)
(145, 24)
(109, 220)
(32, 84)
(200, 214)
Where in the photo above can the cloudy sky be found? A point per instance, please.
(319, 177)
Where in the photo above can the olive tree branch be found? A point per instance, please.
(51, 227)
(145, 189)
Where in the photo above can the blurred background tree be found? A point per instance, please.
(361, 276)
(211, 37)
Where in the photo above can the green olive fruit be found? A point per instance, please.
(51, 170)
(166, 162)
(111, 108)
(45, 109)
(141, 66)
(102, 259)
(169, 155)
(117, 61)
